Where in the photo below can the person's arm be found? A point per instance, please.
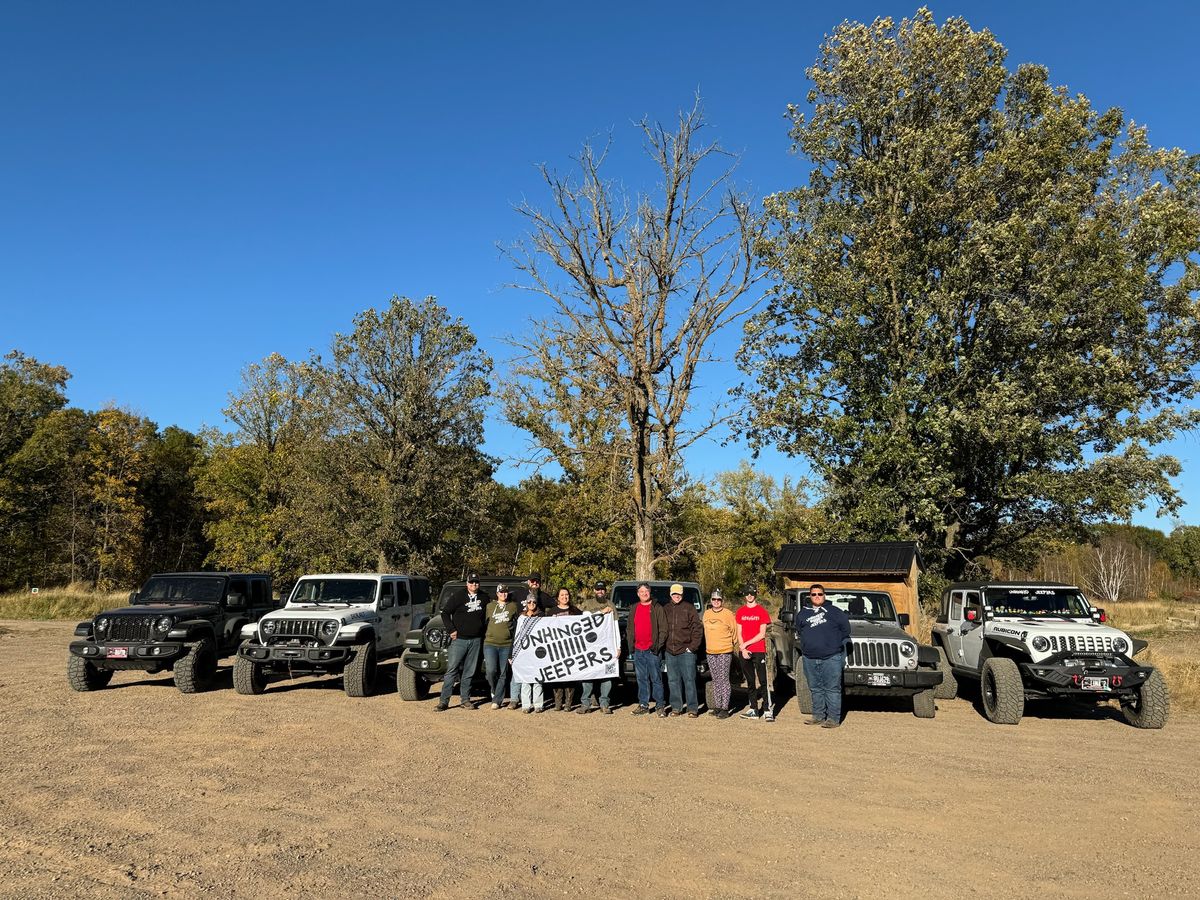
(844, 628)
(697, 630)
(449, 608)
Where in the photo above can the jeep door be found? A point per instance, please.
(404, 609)
(965, 634)
(388, 635)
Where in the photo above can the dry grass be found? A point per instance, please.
(71, 602)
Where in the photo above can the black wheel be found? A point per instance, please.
(410, 685)
(249, 677)
(1151, 706)
(198, 667)
(359, 677)
(948, 689)
(710, 696)
(923, 704)
(1002, 690)
(803, 694)
(83, 676)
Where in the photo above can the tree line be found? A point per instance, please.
(974, 322)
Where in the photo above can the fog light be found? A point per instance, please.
(424, 664)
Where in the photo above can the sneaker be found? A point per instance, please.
(495, 706)
(467, 705)
(641, 710)
(813, 721)
(692, 714)
(527, 709)
(517, 707)
(750, 714)
(583, 710)
(768, 716)
(607, 710)
(664, 714)
(441, 707)
(539, 709)
(721, 713)
(830, 723)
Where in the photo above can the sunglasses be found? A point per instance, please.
(816, 594)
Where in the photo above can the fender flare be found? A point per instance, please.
(192, 630)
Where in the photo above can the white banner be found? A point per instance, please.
(566, 648)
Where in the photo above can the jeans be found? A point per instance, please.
(648, 666)
(754, 671)
(718, 665)
(495, 666)
(825, 683)
(514, 689)
(531, 694)
(461, 662)
(681, 673)
(605, 687)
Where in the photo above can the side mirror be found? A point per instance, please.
(972, 615)
(1099, 615)
(904, 619)
(235, 601)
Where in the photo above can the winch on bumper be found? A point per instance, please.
(285, 653)
(1104, 677)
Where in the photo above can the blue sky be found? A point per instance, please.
(187, 187)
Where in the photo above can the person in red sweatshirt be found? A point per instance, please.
(645, 635)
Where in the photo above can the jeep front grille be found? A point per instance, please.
(290, 629)
(1080, 643)
(130, 628)
(873, 655)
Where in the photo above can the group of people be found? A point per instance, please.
(656, 634)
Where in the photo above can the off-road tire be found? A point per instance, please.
(1153, 703)
(924, 706)
(359, 677)
(197, 668)
(1002, 691)
(83, 676)
(948, 689)
(409, 684)
(249, 677)
(710, 696)
(803, 694)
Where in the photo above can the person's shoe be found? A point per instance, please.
(607, 710)
(750, 714)
(692, 714)
(539, 709)
(527, 709)
(641, 710)
(813, 721)
(768, 716)
(664, 713)
(830, 723)
(441, 707)
(467, 705)
(495, 706)
(583, 710)
(721, 713)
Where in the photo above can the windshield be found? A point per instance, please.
(182, 589)
(334, 590)
(866, 606)
(1033, 602)
(625, 595)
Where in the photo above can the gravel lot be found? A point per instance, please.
(140, 790)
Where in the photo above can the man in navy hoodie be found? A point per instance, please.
(823, 630)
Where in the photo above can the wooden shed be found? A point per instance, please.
(891, 566)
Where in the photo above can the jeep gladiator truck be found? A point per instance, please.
(882, 660)
(333, 624)
(1043, 640)
(182, 622)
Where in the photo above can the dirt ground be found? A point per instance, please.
(140, 790)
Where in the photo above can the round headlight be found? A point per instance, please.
(908, 649)
(1040, 643)
(102, 624)
(268, 627)
(435, 636)
(1120, 644)
(164, 624)
(330, 628)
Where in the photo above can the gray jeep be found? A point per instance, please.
(882, 660)
(182, 622)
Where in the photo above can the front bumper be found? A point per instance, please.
(137, 655)
(318, 657)
(1071, 676)
(891, 679)
(430, 663)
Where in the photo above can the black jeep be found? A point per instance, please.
(179, 621)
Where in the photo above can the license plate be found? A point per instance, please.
(878, 679)
(1095, 684)
(117, 653)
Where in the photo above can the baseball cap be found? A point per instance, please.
(536, 576)
(502, 589)
(472, 578)
(677, 588)
(716, 595)
(600, 586)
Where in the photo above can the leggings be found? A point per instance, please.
(718, 666)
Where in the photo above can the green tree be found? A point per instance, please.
(1182, 552)
(174, 511)
(116, 459)
(986, 308)
(638, 286)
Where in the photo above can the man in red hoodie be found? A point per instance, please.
(645, 635)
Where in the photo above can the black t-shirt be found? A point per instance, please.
(465, 614)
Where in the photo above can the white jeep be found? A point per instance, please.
(344, 623)
(1026, 641)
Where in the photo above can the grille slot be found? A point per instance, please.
(873, 655)
(130, 628)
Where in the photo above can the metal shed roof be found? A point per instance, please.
(879, 558)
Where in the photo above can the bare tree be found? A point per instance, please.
(1111, 565)
(638, 286)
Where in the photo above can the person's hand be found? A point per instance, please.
(745, 654)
